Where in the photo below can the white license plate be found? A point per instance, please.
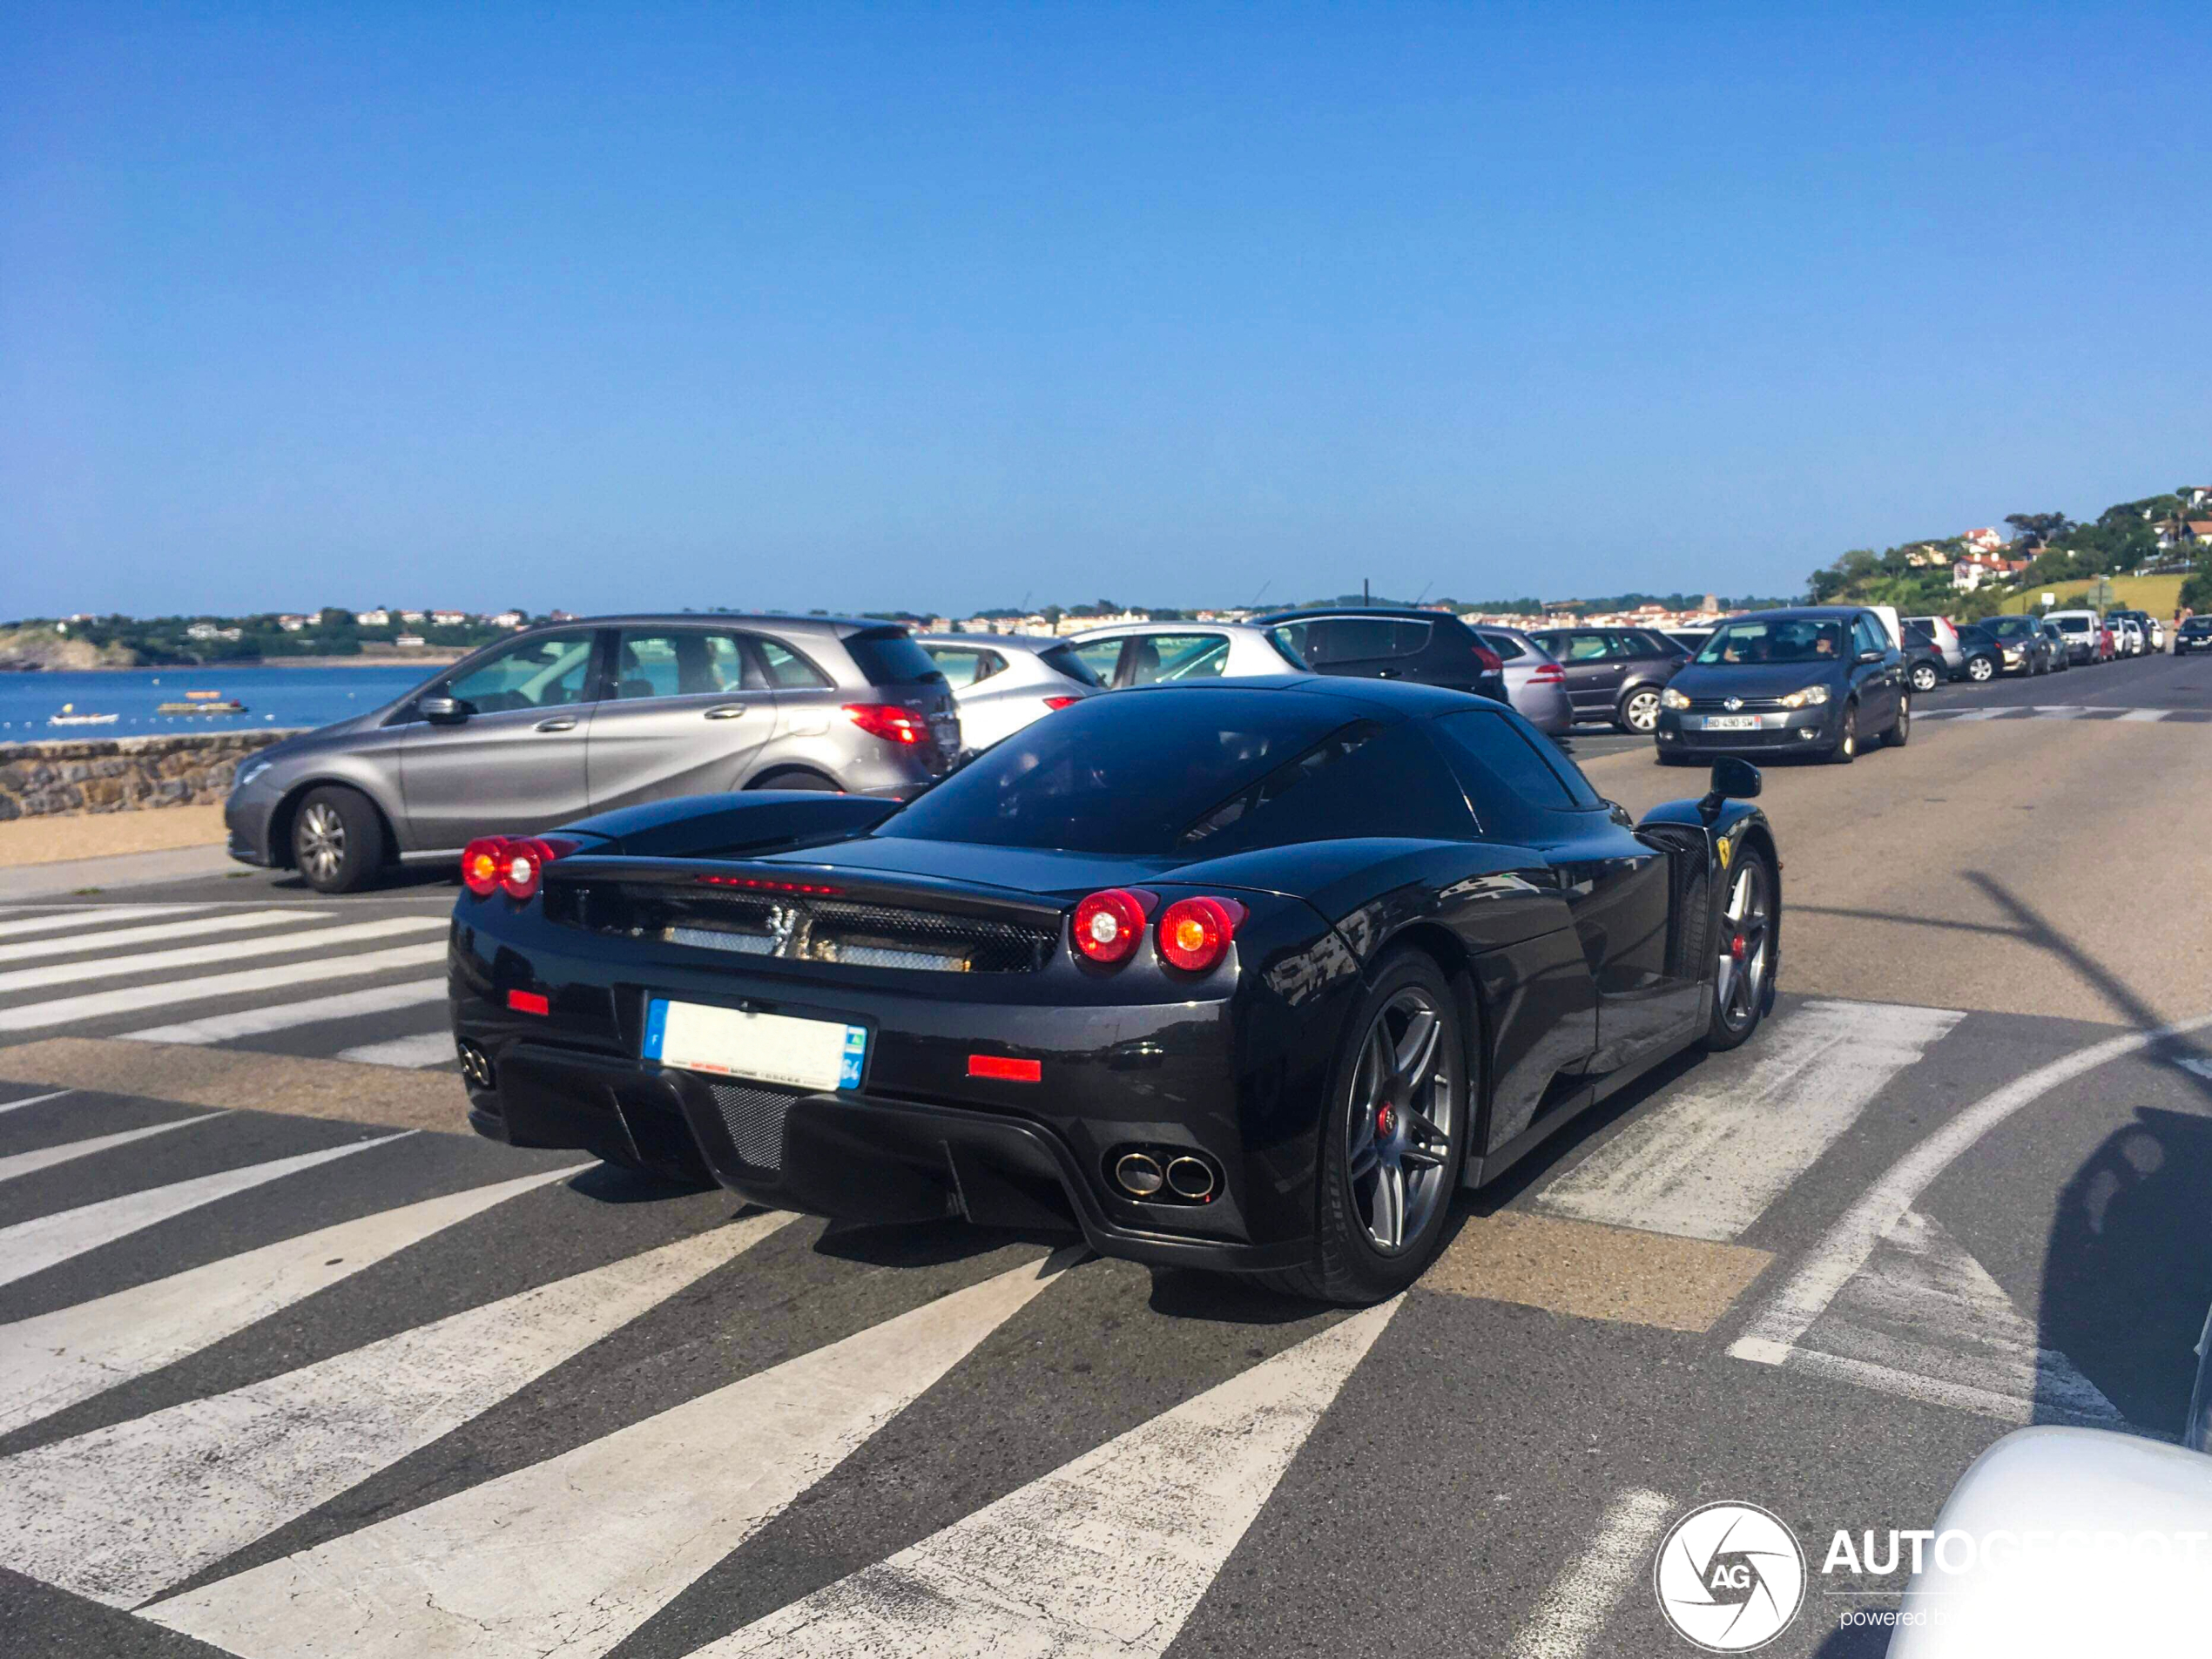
(759, 1047)
(1731, 722)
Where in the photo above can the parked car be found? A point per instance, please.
(1180, 970)
(1924, 669)
(1003, 681)
(2194, 635)
(1426, 647)
(1943, 633)
(2055, 642)
(1535, 684)
(2082, 634)
(2154, 630)
(1614, 674)
(2128, 635)
(1813, 680)
(1153, 653)
(2026, 648)
(1692, 640)
(583, 717)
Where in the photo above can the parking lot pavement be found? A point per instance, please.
(279, 1375)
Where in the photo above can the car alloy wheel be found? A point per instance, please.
(1640, 713)
(321, 845)
(1924, 678)
(1739, 975)
(1981, 669)
(1398, 1134)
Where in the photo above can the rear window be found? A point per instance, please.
(1508, 648)
(1326, 640)
(1508, 769)
(890, 657)
(2073, 625)
(1062, 659)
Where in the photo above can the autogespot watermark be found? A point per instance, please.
(1731, 1577)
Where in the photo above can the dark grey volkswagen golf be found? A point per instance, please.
(588, 715)
(1824, 680)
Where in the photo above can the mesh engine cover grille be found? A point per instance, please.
(755, 1120)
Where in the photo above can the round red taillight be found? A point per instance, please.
(1109, 924)
(1194, 933)
(481, 864)
(521, 864)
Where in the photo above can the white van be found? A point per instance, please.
(2081, 631)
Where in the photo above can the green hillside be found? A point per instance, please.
(2157, 596)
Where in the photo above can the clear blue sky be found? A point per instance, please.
(906, 307)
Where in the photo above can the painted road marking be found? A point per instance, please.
(284, 1017)
(49, 921)
(592, 1543)
(1925, 1319)
(430, 1048)
(32, 1246)
(33, 1100)
(1107, 1556)
(1574, 1611)
(61, 1010)
(1595, 1273)
(121, 1513)
(1846, 1245)
(56, 1359)
(46, 1157)
(1708, 1163)
(231, 950)
(235, 922)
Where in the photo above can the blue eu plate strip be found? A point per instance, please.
(656, 1026)
(856, 1054)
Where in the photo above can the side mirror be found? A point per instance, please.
(444, 710)
(1734, 779)
(1870, 656)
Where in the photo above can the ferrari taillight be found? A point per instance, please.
(1109, 924)
(1194, 933)
(523, 861)
(480, 864)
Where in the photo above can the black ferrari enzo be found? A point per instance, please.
(1247, 974)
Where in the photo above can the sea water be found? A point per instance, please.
(274, 697)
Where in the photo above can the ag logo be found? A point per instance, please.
(1730, 1577)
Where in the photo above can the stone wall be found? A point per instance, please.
(121, 774)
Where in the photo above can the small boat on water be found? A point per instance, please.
(68, 716)
(202, 703)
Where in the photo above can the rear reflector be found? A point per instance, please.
(1006, 1070)
(761, 884)
(527, 1002)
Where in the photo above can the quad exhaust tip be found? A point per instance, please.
(1190, 1179)
(1139, 1173)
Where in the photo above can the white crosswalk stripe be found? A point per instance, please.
(1106, 1557)
(82, 916)
(31, 979)
(1708, 1163)
(234, 921)
(32, 1246)
(120, 1513)
(65, 1010)
(17, 1164)
(285, 1017)
(429, 1049)
(594, 1542)
(57, 1359)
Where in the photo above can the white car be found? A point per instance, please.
(2128, 637)
(1147, 653)
(1003, 681)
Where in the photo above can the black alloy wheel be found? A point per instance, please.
(337, 840)
(1846, 749)
(1393, 1137)
(1743, 964)
(1924, 678)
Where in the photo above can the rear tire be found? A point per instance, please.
(1901, 732)
(337, 840)
(1638, 714)
(1743, 978)
(1924, 678)
(1396, 1121)
(1981, 670)
(797, 778)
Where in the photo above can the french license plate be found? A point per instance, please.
(1731, 722)
(759, 1047)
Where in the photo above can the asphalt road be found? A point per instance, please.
(273, 1381)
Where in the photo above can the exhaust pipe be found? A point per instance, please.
(1139, 1173)
(476, 1064)
(1190, 1179)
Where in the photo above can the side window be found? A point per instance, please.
(1513, 784)
(987, 663)
(539, 673)
(1407, 638)
(959, 668)
(1099, 657)
(675, 663)
(786, 669)
(1871, 635)
(1155, 658)
(1294, 640)
(1587, 648)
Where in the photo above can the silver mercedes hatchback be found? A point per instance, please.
(580, 718)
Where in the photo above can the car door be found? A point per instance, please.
(1595, 670)
(686, 714)
(515, 763)
(1620, 884)
(1877, 676)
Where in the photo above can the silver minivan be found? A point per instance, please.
(584, 717)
